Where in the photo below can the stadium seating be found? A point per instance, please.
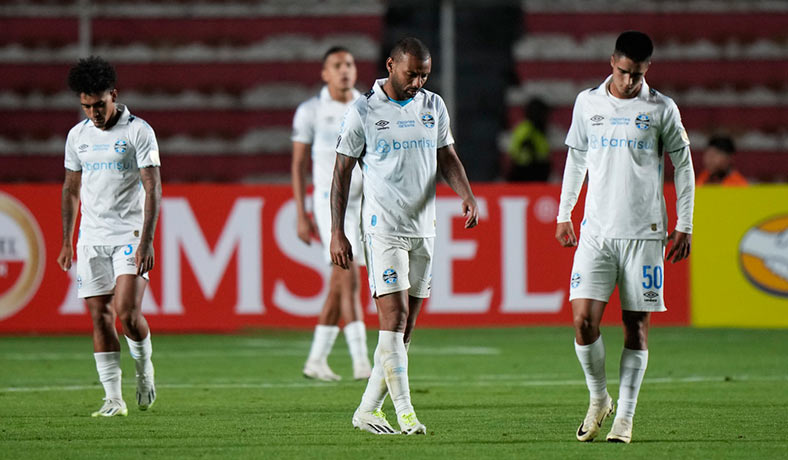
(219, 81)
(724, 63)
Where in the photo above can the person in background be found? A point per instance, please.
(718, 163)
(529, 151)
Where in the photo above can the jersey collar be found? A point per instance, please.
(378, 92)
(325, 96)
(644, 88)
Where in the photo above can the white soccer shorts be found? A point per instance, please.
(99, 266)
(636, 266)
(322, 213)
(397, 263)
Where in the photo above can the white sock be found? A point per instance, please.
(592, 360)
(376, 391)
(633, 367)
(356, 338)
(108, 367)
(322, 342)
(141, 352)
(394, 357)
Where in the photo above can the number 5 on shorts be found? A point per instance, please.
(652, 276)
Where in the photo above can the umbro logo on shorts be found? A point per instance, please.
(650, 296)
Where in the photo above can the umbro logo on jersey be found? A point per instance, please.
(597, 120)
(382, 124)
(83, 148)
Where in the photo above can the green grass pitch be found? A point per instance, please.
(483, 393)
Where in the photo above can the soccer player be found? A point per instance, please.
(400, 135)
(618, 134)
(112, 167)
(315, 129)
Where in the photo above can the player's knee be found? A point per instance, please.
(584, 324)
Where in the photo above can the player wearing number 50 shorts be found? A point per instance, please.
(620, 133)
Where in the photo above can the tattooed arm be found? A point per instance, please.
(341, 251)
(151, 182)
(68, 211)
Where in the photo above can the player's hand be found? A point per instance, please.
(144, 258)
(306, 229)
(681, 246)
(565, 234)
(471, 211)
(341, 251)
(65, 257)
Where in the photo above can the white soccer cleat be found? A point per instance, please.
(111, 408)
(362, 371)
(621, 431)
(598, 411)
(374, 422)
(409, 424)
(320, 371)
(146, 391)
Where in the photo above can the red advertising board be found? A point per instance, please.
(227, 257)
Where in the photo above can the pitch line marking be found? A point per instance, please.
(416, 381)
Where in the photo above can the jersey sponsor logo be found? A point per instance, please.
(427, 119)
(101, 147)
(642, 121)
(121, 146)
(620, 121)
(382, 148)
(597, 120)
(83, 148)
(21, 255)
(406, 123)
(382, 124)
(390, 275)
(106, 165)
(596, 142)
(763, 255)
(575, 280)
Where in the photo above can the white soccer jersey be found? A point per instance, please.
(622, 141)
(316, 122)
(397, 148)
(112, 195)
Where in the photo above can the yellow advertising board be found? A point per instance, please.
(739, 261)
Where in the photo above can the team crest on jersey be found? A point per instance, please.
(642, 121)
(382, 124)
(427, 119)
(389, 276)
(121, 146)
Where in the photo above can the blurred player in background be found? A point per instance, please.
(400, 134)
(718, 163)
(618, 133)
(315, 130)
(112, 167)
